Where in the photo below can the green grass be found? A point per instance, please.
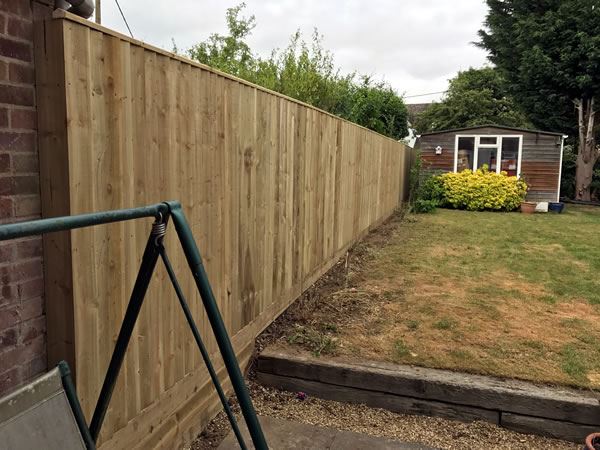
(317, 342)
(573, 362)
(445, 324)
(503, 294)
(400, 349)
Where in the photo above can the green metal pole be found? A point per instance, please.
(41, 226)
(149, 259)
(201, 347)
(69, 387)
(194, 260)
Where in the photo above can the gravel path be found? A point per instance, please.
(433, 431)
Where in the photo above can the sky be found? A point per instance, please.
(415, 45)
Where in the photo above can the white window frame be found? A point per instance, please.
(497, 145)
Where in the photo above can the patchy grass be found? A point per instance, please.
(504, 294)
(316, 341)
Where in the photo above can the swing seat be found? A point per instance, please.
(44, 414)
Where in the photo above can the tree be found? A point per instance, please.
(549, 52)
(306, 72)
(474, 97)
(229, 53)
(376, 106)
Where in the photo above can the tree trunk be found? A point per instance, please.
(587, 154)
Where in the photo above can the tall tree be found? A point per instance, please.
(304, 71)
(549, 52)
(474, 97)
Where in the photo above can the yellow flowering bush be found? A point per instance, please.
(483, 190)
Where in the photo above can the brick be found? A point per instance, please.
(15, 49)
(21, 118)
(8, 338)
(21, 271)
(9, 317)
(17, 141)
(18, 7)
(21, 73)
(23, 353)
(32, 329)
(7, 250)
(4, 163)
(26, 206)
(16, 95)
(19, 28)
(6, 208)
(9, 379)
(27, 184)
(8, 294)
(30, 289)
(25, 163)
(3, 70)
(30, 248)
(31, 309)
(19, 185)
(37, 365)
(7, 185)
(3, 20)
(3, 117)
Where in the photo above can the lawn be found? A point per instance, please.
(504, 294)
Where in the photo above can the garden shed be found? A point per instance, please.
(535, 156)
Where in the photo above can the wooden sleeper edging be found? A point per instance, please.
(521, 406)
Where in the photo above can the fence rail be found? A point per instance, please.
(275, 191)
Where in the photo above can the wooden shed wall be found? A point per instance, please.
(540, 163)
(274, 190)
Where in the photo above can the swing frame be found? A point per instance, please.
(154, 251)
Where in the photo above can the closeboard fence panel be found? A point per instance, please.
(275, 192)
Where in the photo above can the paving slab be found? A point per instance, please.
(285, 435)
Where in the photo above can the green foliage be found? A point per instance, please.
(567, 180)
(401, 350)
(427, 190)
(423, 206)
(306, 72)
(376, 106)
(229, 53)
(474, 97)
(549, 52)
(483, 190)
(319, 343)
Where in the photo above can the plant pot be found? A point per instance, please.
(528, 207)
(556, 207)
(592, 442)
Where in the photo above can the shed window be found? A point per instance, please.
(510, 155)
(466, 150)
(498, 153)
(488, 140)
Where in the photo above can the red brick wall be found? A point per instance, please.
(22, 320)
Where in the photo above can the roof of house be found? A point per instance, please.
(414, 109)
(493, 126)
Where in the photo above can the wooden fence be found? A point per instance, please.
(275, 191)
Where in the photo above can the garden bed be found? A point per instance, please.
(500, 294)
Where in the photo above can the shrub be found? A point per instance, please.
(427, 189)
(483, 190)
(424, 206)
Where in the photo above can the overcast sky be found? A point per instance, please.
(415, 45)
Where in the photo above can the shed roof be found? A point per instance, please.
(493, 126)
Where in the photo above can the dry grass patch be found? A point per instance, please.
(500, 294)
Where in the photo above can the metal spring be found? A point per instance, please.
(159, 228)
